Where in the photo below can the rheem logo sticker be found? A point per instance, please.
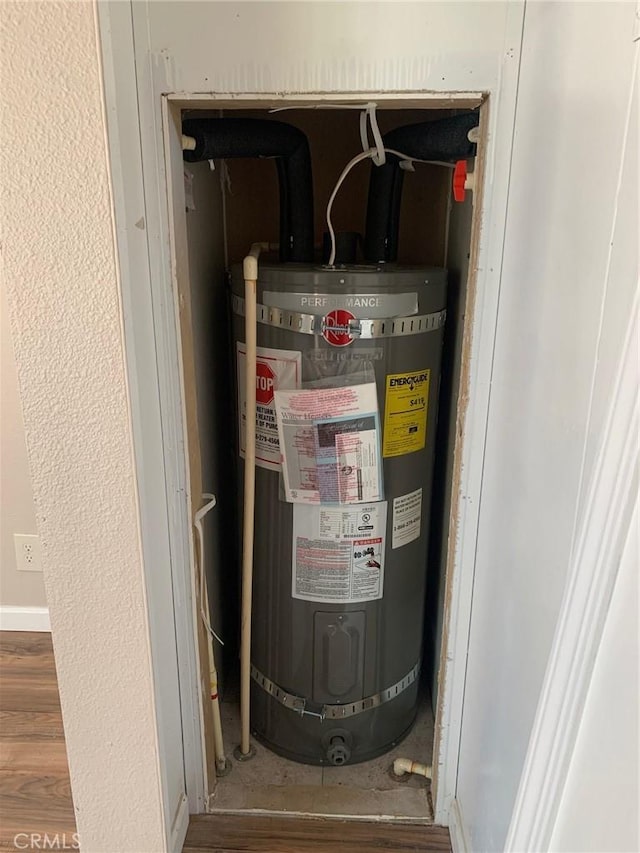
(336, 330)
(264, 383)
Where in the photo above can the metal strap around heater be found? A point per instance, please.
(333, 712)
(312, 324)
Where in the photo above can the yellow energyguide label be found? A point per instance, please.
(405, 412)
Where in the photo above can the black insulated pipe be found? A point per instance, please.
(445, 140)
(227, 138)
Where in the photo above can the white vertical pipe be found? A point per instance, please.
(218, 742)
(250, 271)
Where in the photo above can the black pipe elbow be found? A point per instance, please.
(227, 138)
(445, 139)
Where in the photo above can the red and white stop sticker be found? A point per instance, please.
(265, 380)
(336, 328)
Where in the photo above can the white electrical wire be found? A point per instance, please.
(200, 514)
(377, 154)
(322, 106)
(363, 155)
(373, 154)
(370, 114)
(407, 160)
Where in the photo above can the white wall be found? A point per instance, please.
(64, 305)
(563, 313)
(599, 810)
(321, 47)
(17, 511)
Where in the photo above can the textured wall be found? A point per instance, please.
(17, 512)
(61, 280)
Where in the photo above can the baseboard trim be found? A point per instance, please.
(459, 843)
(24, 618)
(180, 826)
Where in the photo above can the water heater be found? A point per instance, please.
(347, 391)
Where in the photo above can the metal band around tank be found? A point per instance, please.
(329, 711)
(312, 324)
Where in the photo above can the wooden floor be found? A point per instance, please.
(35, 795)
(252, 834)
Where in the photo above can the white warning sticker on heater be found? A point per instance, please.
(275, 368)
(338, 553)
(407, 515)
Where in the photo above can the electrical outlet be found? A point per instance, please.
(27, 548)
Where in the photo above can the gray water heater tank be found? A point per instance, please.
(339, 589)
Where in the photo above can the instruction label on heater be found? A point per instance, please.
(405, 412)
(407, 515)
(330, 441)
(275, 368)
(338, 553)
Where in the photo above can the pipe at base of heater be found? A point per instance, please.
(406, 765)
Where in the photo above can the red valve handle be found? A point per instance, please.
(459, 180)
